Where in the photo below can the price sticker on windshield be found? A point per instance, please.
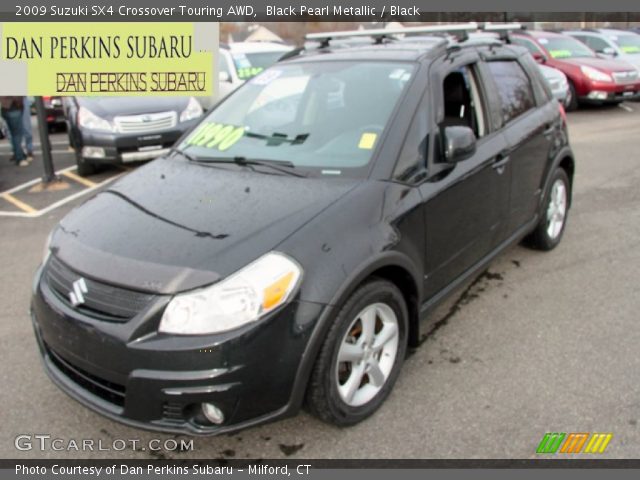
(216, 135)
(248, 72)
(560, 53)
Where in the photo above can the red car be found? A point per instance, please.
(592, 79)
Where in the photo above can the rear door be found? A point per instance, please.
(529, 122)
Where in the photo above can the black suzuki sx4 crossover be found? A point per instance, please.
(286, 251)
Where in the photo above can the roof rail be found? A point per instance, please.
(502, 29)
(381, 33)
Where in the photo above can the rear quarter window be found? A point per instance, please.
(514, 88)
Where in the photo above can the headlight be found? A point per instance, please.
(90, 121)
(595, 74)
(242, 298)
(193, 110)
(46, 253)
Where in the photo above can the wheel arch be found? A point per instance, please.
(564, 159)
(567, 163)
(392, 266)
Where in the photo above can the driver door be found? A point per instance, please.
(465, 204)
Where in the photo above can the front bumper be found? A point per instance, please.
(606, 92)
(132, 374)
(125, 148)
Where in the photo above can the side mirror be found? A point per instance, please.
(224, 77)
(540, 57)
(459, 144)
(609, 51)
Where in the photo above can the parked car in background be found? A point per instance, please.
(126, 129)
(558, 84)
(54, 112)
(591, 79)
(238, 62)
(618, 44)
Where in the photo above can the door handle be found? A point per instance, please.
(501, 161)
(549, 129)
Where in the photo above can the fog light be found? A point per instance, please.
(93, 152)
(598, 95)
(213, 413)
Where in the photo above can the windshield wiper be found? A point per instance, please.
(276, 139)
(283, 166)
(183, 153)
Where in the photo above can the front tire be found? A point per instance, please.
(571, 104)
(549, 231)
(85, 167)
(362, 355)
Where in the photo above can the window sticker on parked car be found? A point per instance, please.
(560, 53)
(630, 49)
(248, 72)
(367, 140)
(216, 135)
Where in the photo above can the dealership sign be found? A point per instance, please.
(88, 59)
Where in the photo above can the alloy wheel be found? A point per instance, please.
(367, 354)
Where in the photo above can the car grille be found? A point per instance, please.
(629, 76)
(101, 301)
(148, 123)
(109, 391)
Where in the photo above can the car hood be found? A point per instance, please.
(172, 226)
(109, 107)
(631, 58)
(604, 64)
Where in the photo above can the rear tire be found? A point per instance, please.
(549, 231)
(362, 355)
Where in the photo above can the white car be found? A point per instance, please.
(238, 62)
(558, 83)
(619, 44)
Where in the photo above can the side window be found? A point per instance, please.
(462, 102)
(582, 38)
(529, 45)
(596, 44)
(514, 88)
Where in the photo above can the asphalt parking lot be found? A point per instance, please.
(539, 343)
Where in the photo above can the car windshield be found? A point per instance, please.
(628, 43)
(322, 117)
(566, 47)
(248, 65)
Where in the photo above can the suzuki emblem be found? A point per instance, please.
(76, 295)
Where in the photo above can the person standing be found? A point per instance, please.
(26, 123)
(12, 111)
